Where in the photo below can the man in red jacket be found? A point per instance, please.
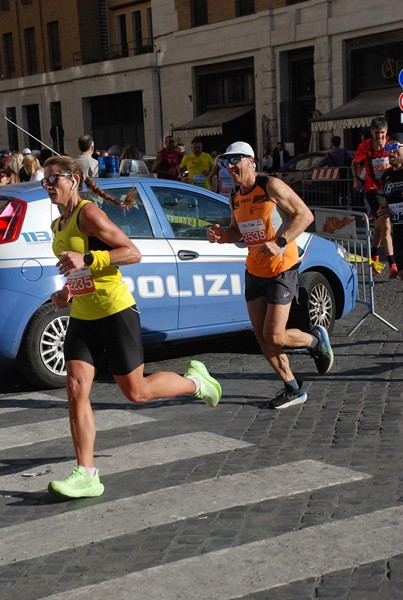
(372, 152)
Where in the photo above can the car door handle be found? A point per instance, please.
(187, 255)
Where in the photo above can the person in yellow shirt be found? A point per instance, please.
(90, 248)
(197, 164)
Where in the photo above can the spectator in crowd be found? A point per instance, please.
(115, 150)
(181, 148)
(26, 151)
(166, 165)
(280, 156)
(5, 173)
(130, 152)
(103, 153)
(5, 154)
(372, 152)
(88, 164)
(337, 157)
(15, 164)
(33, 167)
(198, 164)
(268, 216)
(266, 163)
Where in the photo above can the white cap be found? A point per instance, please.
(239, 148)
(26, 151)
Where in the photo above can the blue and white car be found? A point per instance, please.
(184, 286)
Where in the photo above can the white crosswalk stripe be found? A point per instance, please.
(32, 433)
(129, 515)
(235, 572)
(28, 399)
(124, 458)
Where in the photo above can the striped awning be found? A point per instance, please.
(359, 111)
(210, 122)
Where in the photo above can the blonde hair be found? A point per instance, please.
(15, 162)
(30, 159)
(69, 165)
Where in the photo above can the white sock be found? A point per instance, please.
(196, 382)
(90, 470)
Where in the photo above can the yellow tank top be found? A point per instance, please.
(112, 294)
(260, 220)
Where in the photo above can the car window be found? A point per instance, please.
(190, 213)
(133, 220)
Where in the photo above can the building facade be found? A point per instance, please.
(258, 70)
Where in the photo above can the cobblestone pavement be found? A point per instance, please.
(303, 503)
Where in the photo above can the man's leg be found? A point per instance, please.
(269, 321)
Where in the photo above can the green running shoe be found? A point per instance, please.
(210, 389)
(78, 485)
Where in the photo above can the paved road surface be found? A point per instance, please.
(238, 502)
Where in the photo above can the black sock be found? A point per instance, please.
(374, 252)
(291, 386)
(391, 259)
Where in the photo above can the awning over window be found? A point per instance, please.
(359, 111)
(210, 122)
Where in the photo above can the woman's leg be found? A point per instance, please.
(162, 384)
(80, 376)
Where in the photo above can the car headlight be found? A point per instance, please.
(342, 251)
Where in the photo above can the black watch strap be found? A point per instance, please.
(88, 259)
(281, 241)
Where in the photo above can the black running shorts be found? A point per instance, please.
(281, 289)
(375, 200)
(118, 335)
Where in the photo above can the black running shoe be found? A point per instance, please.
(322, 353)
(287, 398)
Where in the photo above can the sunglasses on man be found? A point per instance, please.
(393, 147)
(233, 160)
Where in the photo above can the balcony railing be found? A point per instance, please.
(114, 52)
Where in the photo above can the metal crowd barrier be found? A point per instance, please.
(351, 229)
(330, 187)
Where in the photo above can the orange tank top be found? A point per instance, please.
(260, 220)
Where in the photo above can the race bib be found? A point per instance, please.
(396, 213)
(253, 232)
(81, 283)
(380, 165)
(199, 179)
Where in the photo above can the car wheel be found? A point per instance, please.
(317, 305)
(41, 356)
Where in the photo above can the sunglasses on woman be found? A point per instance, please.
(233, 160)
(393, 146)
(52, 179)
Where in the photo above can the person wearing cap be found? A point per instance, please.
(26, 151)
(197, 164)
(268, 216)
(392, 182)
(376, 161)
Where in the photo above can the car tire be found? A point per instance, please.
(41, 357)
(317, 305)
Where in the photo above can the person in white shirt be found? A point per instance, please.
(89, 165)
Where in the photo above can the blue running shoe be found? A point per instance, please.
(287, 398)
(322, 353)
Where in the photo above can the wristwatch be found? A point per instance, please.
(88, 259)
(281, 241)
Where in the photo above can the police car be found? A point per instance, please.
(184, 286)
